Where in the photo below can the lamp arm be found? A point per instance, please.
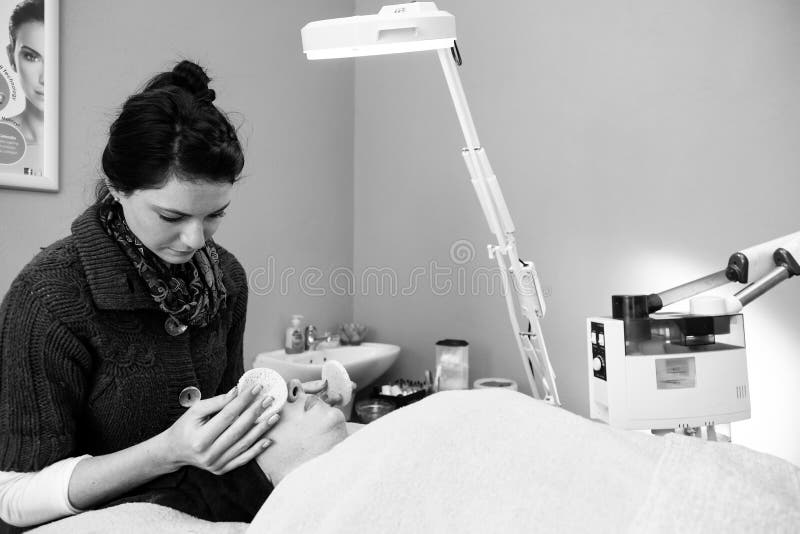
(526, 286)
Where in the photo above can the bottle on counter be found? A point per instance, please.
(294, 343)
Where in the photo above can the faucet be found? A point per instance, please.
(310, 337)
(313, 340)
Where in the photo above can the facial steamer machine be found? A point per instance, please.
(682, 371)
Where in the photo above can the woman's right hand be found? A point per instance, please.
(221, 433)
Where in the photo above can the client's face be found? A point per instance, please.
(307, 428)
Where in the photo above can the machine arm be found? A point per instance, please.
(519, 277)
(763, 266)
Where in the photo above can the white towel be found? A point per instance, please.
(498, 461)
(720, 487)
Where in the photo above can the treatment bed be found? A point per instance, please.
(499, 461)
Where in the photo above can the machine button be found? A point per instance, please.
(597, 364)
(602, 340)
(594, 338)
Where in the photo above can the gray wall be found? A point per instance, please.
(295, 204)
(638, 144)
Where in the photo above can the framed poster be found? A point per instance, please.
(28, 120)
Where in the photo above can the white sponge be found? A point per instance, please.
(338, 380)
(272, 384)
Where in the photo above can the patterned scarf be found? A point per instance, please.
(190, 293)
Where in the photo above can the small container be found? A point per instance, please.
(352, 333)
(399, 400)
(452, 365)
(370, 409)
(501, 383)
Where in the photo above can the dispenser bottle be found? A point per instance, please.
(293, 344)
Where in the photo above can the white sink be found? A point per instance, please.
(364, 363)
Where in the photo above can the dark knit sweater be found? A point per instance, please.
(86, 366)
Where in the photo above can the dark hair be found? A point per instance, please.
(171, 127)
(25, 11)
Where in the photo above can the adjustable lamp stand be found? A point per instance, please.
(421, 26)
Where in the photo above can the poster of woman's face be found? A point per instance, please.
(28, 72)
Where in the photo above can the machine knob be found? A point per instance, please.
(597, 364)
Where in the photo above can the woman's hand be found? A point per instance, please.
(221, 433)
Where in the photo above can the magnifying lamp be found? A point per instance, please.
(418, 27)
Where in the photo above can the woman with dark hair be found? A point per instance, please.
(110, 336)
(26, 56)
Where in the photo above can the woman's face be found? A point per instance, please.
(27, 58)
(176, 220)
(307, 428)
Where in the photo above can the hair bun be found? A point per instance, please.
(208, 96)
(193, 78)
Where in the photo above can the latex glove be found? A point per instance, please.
(221, 433)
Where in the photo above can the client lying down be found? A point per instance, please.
(499, 461)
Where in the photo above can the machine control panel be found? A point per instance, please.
(598, 350)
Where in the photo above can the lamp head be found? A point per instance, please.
(395, 29)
